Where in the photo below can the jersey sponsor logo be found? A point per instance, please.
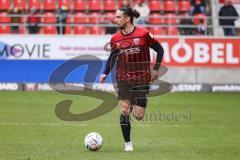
(133, 50)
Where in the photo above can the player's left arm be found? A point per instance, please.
(156, 46)
(109, 65)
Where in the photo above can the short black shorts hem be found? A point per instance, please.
(135, 93)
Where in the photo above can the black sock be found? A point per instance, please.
(126, 127)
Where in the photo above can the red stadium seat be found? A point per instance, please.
(94, 5)
(170, 18)
(154, 5)
(22, 30)
(5, 4)
(109, 17)
(49, 5)
(4, 18)
(70, 19)
(69, 30)
(109, 5)
(95, 17)
(156, 18)
(21, 4)
(80, 30)
(184, 6)
(49, 30)
(5, 30)
(120, 3)
(172, 30)
(80, 17)
(157, 30)
(35, 4)
(169, 6)
(49, 17)
(79, 5)
(66, 3)
(96, 30)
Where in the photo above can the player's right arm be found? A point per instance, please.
(109, 65)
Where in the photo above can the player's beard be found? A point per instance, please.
(122, 27)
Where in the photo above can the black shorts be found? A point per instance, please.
(135, 93)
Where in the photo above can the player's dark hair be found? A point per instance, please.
(132, 13)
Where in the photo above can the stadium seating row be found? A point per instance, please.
(93, 5)
(95, 12)
(88, 30)
(96, 18)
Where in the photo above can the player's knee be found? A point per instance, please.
(125, 108)
(125, 111)
(139, 116)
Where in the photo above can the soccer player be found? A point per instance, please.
(130, 50)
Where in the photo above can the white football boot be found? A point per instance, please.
(128, 146)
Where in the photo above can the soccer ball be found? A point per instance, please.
(93, 141)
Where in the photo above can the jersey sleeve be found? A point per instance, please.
(112, 58)
(150, 39)
(113, 44)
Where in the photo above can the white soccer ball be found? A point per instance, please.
(93, 141)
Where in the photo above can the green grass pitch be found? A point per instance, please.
(206, 126)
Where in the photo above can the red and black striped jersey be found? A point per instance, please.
(133, 55)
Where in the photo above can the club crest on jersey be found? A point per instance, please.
(150, 34)
(136, 41)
